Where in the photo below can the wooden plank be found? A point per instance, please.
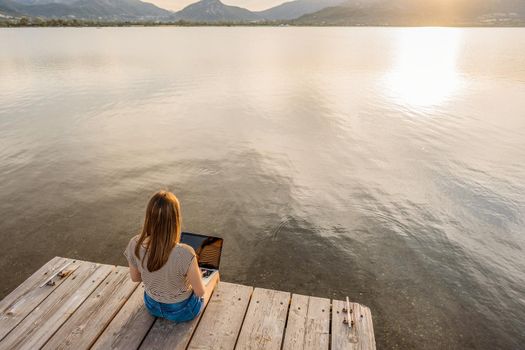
(263, 326)
(360, 336)
(129, 327)
(308, 325)
(74, 311)
(175, 336)
(296, 324)
(222, 321)
(317, 334)
(46, 318)
(82, 329)
(20, 302)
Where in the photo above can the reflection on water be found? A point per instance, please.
(385, 164)
(425, 67)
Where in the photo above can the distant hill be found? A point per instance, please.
(209, 11)
(8, 8)
(298, 12)
(418, 12)
(86, 9)
(215, 11)
(43, 2)
(295, 9)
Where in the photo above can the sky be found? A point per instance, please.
(254, 5)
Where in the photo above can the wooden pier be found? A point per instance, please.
(73, 304)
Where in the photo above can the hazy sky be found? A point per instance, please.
(249, 4)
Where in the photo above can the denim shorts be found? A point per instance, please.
(185, 310)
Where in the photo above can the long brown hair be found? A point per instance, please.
(162, 227)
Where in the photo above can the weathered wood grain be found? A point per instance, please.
(98, 306)
(129, 327)
(82, 329)
(263, 326)
(221, 323)
(175, 336)
(20, 302)
(46, 318)
(360, 336)
(308, 326)
(296, 324)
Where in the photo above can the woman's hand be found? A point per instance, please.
(195, 278)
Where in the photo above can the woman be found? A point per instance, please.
(173, 286)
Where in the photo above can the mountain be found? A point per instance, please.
(8, 8)
(295, 9)
(43, 2)
(201, 11)
(86, 9)
(299, 12)
(419, 13)
(215, 11)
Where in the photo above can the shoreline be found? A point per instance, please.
(30, 22)
(194, 25)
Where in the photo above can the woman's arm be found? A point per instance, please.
(134, 274)
(195, 278)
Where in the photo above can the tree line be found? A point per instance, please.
(73, 22)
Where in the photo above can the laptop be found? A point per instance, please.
(208, 250)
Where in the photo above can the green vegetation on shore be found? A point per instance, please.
(60, 22)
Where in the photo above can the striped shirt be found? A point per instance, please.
(170, 283)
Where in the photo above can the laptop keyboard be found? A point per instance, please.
(206, 273)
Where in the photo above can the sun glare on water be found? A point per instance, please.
(424, 69)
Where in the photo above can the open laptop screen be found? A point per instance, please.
(207, 248)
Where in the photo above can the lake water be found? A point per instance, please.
(386, 164)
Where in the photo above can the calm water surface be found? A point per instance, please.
(385, 164)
